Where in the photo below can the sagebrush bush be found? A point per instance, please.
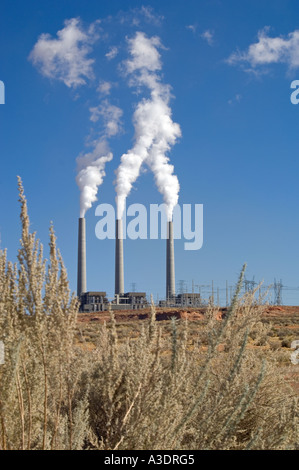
(153, 391)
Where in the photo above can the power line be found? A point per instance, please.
(276, 293)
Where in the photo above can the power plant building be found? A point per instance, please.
(96, 301)
(133, 300)
(93, 302)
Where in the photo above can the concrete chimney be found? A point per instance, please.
(170, 273)
(119, 258)
(81, 280)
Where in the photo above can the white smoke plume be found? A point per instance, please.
(155, 132)
(91, 172)
(91, 166)
(66, 58)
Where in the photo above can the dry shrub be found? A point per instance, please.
(153, 392)
(223, 398)
(38, 404)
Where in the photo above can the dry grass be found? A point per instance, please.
(164, 386)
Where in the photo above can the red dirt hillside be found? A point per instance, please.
(195, 314)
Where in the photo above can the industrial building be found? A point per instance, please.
(130, 300)
(188, 300)
(182, 300)
(93, 302)
(98, 302)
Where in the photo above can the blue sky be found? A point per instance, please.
(230, 65)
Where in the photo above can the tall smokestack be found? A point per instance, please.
(170, 274)
(119, 258)
(81, 280)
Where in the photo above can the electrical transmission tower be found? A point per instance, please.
(182, 286)
(277, 292)
(249, 285)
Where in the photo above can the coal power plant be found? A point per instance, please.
(155, 133)
(97, 301)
